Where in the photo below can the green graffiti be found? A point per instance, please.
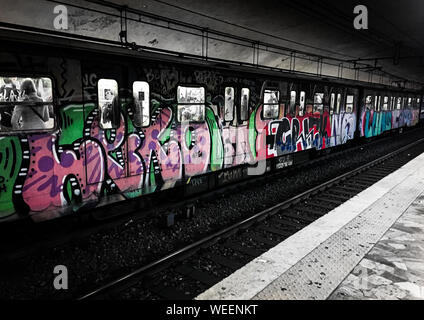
(217, 147)
(133, 193)
(10, 164)
(113, 155)
(130, 128)
(165, 136)
(252, 132)
(73, 118)
(188, 137)
(152, 174)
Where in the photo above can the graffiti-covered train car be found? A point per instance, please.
(86, 125)
(383, 111)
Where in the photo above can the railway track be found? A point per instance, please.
(189, 271)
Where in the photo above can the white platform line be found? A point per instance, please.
(254, 277)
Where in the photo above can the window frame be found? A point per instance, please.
(338, 105)
(52, 103)
(292, 103)
(114, 126)
(185, 104)
(398, 104)
(377, 101)
(314, 108)
(385, 106)
(225, 99)
(332, 102)
(271, 104)
(353, 102)
(404, 102)
(302, 108)
(409, 102)
(149, 107)
(241, 104)
(371, 104)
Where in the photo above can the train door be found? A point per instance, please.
(104, 86)
(421, 107)
(319, 121)
(408, 114)
(349, 119)
(295, 113)
(386, 121)
(396, 114)
(402, 112)
(243, 152)
(335, 98)
(368, 114)
(195, 138)
(229, 124)
(139, 134)
(376, 123)
(417, 109)
(293, 105)
(235, 124)
(346, 101)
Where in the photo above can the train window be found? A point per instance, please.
(349, 104)
(339, 102)
(409, 103)
(332, 102)
(292, 106)
(229, 104)
(191, 104)
(107, 90)
(26, 104)
(244, 104)
(399, 103)
(271, 104)
(392, 103)
(368, 102)
(302, 103)
(319, 102)
(377, 103)
(386, 103)
(141, 94)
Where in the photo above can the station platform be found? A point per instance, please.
(370, 247)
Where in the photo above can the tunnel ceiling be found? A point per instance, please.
(322, 24)
(322, 27)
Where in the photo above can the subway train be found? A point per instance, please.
(86, 125)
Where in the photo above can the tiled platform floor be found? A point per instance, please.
(385, 221)
(394, 268)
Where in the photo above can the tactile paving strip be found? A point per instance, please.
(319, 273)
